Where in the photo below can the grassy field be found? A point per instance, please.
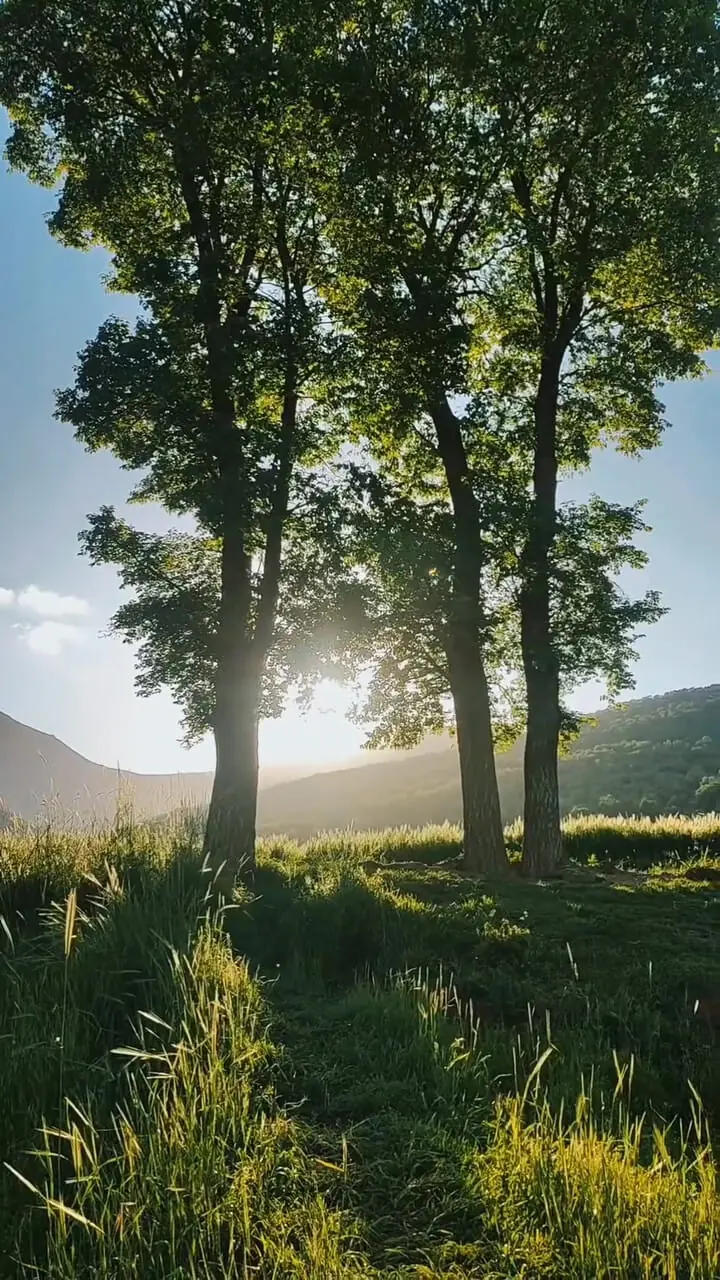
(367, 1069)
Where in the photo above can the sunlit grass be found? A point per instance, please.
(198, 1172)
(567, 1199)
(391, 1071)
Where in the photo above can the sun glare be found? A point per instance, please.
(322, 736)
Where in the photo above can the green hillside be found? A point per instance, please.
(649, 756)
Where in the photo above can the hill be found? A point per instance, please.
(37, 769)
(648, 756)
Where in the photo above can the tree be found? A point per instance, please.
(707, 796)
(595, 624)
(405, 547)
(525, 221)
(173, 614)
(406, 193)
(607, 117)
(175, 132)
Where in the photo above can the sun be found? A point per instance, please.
(323, 736)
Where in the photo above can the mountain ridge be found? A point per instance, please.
(649, 754)
(605, 770)
(38, 770)
(40, 773)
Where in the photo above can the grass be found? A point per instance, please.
(366, 1069)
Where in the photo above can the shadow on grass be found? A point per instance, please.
(605, 970)
(407, 1001)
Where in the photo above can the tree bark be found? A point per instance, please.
(558, 321)
(542, 838)
(230, 836)
(483, 836)
(230, 832)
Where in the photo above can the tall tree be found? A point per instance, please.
(174, 131)
(405, 548)
(407, 194)
(609, 197)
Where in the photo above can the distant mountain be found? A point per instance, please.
(649, 755)
(38, 772)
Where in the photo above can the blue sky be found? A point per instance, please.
(59, 674)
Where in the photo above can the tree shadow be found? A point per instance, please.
(603, 975)
(354, 963)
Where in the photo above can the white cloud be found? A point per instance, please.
(50, 638)
(49, 604)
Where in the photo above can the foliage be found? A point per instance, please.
(650, 755)
(406, 551)
(173, 613)
(707, 795)
(610, 196)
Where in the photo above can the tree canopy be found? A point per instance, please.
(399, 268)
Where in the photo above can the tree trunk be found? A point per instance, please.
(483, 836)
(242, 653)
(542, 839)
(241, 650)
(230, 832)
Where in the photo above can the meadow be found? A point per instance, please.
(373, 1065)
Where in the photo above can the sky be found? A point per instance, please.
(60, 673)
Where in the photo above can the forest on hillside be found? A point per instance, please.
(650, 756)
(655, 755)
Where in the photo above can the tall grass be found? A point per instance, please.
(389, 1073)
(198, 1173)
(565, 1199)
(639, 841)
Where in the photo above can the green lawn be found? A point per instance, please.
(369, 1070)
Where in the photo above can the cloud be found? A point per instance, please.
(50, 638)
(49, 604)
